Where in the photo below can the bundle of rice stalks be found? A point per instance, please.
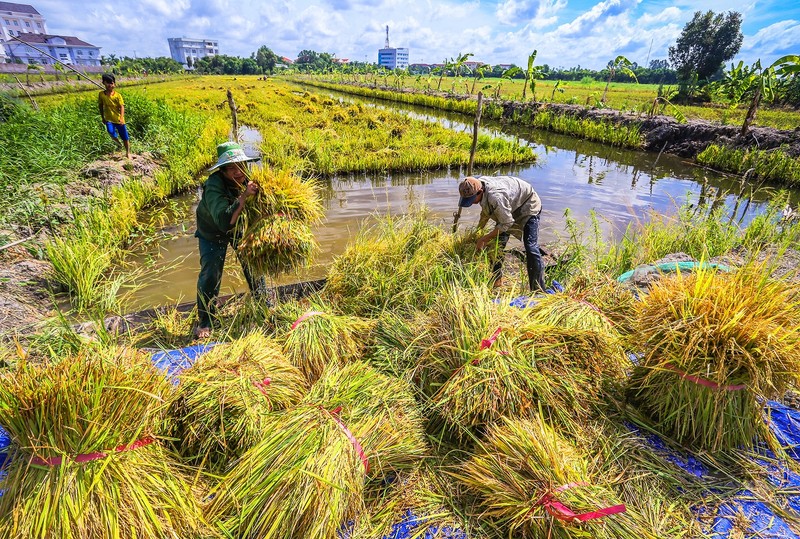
(533, 483)
(224, 400)
(314, 338)
(570, 313)
(578, 369)
(497, 382)
(615, 301)
(714, 344)
(306, 478)
(86, 463)
(400, 265)
(456, 325)
(397, 344)
(275, 228)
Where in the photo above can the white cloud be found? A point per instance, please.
(670, 14)
(536, 13)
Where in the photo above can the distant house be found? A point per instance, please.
(187, 51)
(16, 20)
(68, 50)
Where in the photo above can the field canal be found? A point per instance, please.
(621, 186)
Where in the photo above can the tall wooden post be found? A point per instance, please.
(457, 214)
(235, 120)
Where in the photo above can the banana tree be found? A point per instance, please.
(479, 73)
(459, 61)
(442, 70)
(531, 74)
(621, 64)
(764, 81)
(508, 74)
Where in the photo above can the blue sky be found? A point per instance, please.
(566, 33)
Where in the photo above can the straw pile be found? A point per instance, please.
(224, 400)
(714, 344)
(86, 464)
(314, 338)
(275, 228)
(527, 478)
(307, 475)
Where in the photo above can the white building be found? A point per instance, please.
(67, 49)
(182, 49)
(16, 20)
(393, 58)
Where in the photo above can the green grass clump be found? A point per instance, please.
(775, 165)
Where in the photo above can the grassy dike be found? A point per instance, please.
(44, 153)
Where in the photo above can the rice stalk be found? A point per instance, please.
(275, 228)
(224, 400)
(87, 463)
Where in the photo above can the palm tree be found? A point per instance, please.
(621, 64)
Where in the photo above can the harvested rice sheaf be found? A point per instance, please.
(226, 397)
(275, 228)
(306, 478)
(714, 344)
(528, 479)
(314, 337)
(86, 463)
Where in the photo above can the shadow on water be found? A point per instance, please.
(622, 186)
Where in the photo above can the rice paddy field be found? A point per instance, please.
(407, 397)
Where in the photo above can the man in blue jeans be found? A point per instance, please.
(224, 196)
(515, 207)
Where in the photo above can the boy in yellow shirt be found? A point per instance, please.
(112, 112)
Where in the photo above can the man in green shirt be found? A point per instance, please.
(224, 196)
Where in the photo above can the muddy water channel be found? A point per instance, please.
(621, 186)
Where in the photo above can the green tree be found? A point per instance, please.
(266, 59)
(763, 83)
(705, 44)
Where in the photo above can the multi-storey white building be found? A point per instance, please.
(16, 20)
(67, 49)
(392, 58)
(187, 50)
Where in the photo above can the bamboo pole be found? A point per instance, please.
(457, 214)
(60, 62)
(33, 101)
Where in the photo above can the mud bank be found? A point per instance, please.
(664, 133)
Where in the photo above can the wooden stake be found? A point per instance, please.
(235, 120)
(457, 214)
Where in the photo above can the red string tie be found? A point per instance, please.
(88, 457)
(563, 513)
(703, 381)
(304, 317)
(356, 445)
(262, 385)
(486, 343)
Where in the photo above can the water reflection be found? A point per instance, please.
(621, 186)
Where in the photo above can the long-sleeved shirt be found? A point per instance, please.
(220, 199)
(509, 202)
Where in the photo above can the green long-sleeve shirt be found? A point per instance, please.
(216, 208)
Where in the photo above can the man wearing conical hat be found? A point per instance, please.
(224, 195)
(515, 207)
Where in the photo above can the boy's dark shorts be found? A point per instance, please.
(120, 128)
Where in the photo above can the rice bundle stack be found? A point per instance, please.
(226, 397)
(275, 229)
(532, 483)
(714, 344)
(397, 345)
(306, 477)
(314, 338)
(86, 463)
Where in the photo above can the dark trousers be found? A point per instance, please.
(533, 256)
(212, 261)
